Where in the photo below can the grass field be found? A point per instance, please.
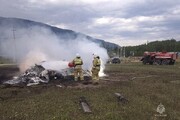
(145, 86)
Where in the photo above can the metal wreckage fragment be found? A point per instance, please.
(84, 104)
(121, 98)
(37, 74)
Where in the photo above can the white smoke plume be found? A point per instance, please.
(37, 44)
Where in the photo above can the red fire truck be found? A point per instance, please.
(159, 58)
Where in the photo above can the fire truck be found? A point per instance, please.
(159, 58)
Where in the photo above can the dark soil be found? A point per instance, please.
(8, 72)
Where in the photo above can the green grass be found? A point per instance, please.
(5, 60)
(144, 94)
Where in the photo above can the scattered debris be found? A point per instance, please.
(84, 104)
(38, 74)
(31, 76)
(60, 86)
(144, 77)
(121, 98)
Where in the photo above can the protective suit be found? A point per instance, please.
(95, 69)
(78, 72)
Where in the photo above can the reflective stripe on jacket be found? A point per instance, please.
(96, 62)
(77, 61)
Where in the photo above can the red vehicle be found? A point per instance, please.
(160, 58)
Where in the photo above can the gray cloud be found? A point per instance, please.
(151, 7)
(115, 21)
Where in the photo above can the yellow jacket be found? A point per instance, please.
(96, 62)
(77, 61)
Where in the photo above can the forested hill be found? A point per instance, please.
(18, 24)
(165, 45)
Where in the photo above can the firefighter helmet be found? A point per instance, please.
(77, 55)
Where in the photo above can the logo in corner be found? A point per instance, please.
(161, 109)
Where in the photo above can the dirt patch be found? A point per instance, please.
(118, 76)
(8, 72)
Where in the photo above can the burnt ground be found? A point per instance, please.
(8, 72)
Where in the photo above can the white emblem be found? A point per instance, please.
(160, 109)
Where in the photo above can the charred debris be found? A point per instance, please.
(37, 74)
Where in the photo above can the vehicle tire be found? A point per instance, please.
(157, 62)
(171, 62)
(144, 61)
(165, 62)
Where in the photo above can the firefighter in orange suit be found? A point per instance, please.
(78, 68)
(95, 69)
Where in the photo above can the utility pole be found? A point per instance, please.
(14, 40)
(124, 52)
(0, 47)
(118, 52)
(121, 54)
(147, 45)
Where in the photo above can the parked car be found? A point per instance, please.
(115, 60)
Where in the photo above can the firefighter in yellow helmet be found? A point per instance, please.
(78, 62)
(95, 69)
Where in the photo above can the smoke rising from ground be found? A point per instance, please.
(37, 44)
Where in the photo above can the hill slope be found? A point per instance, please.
(64, 34)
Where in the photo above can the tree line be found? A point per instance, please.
(157, 46)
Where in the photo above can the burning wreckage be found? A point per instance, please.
(38, 74)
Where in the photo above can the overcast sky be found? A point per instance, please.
(124, 22)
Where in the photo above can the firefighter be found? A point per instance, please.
(95, 69)
(78, 62)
